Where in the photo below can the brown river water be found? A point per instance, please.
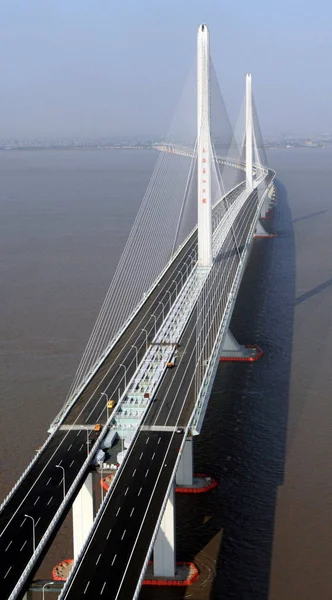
(266, 532)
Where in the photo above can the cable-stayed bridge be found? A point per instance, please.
(169, 304)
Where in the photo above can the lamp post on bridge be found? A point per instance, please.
(146, 339)
(170, 298)
(125, 375)
(63, 479)
(104, 394)
(163, 309)
(135, 347)
(44, 586)
(33, 532)
(176, 286)
(155, 324)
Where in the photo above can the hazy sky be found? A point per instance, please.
(103, 67)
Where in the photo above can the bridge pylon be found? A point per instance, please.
(249, 134)
(204, 149)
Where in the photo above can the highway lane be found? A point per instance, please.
(32, 497)
(114, 557)
(176, 394)
(91, 406)
(40, 495)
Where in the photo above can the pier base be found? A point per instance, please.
(233, 351)
(262, 233)
(186, 574)
(201, 483)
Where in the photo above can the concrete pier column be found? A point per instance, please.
(83, 515)
(184, 473)
(261, 231)
(164, 546)
(231, 347)
(265, 207)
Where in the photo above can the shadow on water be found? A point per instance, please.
(314, 214)
(254, 412)
(229, 532)
(316, 290)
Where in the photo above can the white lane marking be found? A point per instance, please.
(78, 433)
(153, 455)
(109, 533)
(35, 502)
(23, 545)
(144, 519)
(113, 561)
(11, 541)
(86, 587)
(130, 450)
(80, 448)
(117, 512)
(68, 449)
(37, 522)
(141, 456)
(72, 462)
(102, 589)
(147, 440)
(159, 440)
(7, 572)
(134, 473)
(98, 559)
(139, 491)
(23, 522)
(49, 480)
(172, 272)
(146, 472)
(51, 498)
(132, 510)
(60, 461)
(124, 533)
(126, 492)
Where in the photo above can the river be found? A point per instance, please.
(265, 533)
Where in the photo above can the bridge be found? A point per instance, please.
(144, 382)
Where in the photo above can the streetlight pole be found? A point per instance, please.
(163, 309)
(63, 479)
(176, 286)
(104, 394)
(44, 586)
(33, 532)
(87, 442)
(146, 339)
(155, 324)
(170, 298)
(136, 356)
(125, 375)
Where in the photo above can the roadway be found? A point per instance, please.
(113, 559)
(40, 492)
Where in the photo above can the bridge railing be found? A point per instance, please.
(69, 404)
(198, 413)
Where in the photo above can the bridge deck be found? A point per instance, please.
(69, 447)
(113, 560)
